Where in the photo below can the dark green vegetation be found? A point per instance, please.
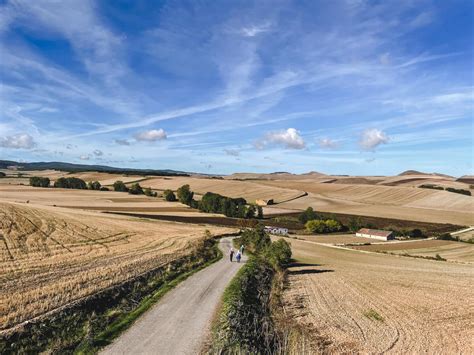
(185, 195)
(70, 183)
(323, 226)
(75, 168)
(449, 189)
(92, 323)
(245, 323)
(448, 236)
(169, 195)
(120, 186)
(37, 181)
(94, 185)
(135, 189)
(2, 174)
(307, 215)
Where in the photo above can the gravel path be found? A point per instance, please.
(180, 321)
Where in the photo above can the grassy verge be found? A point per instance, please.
(88, 325)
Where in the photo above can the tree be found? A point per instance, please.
(2, 174)
(94, 185)
(259, 212)
(70, 183)
(39, 181)
(250, 212)
(136, 189)
(333, 225)
(104, 188)
(169, 195)
(355, 223)
(279, 253)
(307, 215)
(149, 192)
(316, 226)
(185, 195)
(120, 186)
(416, 233)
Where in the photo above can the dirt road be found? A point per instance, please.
(180, 322)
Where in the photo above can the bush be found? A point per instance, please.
(103, 188)
(355, 223)
(94, 185)
(149, 192)
(185, 195)
(2, 174)
(70, 183)
(259, 212)
(136, 189)
(169, 195)
(321, 226)
(39, 181)
(307, 215)
(416, 233)
(459, 191)
(255, 240)
(279, 253)
(430, 186)
(120, 186)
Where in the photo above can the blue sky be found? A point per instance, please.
(342, 87)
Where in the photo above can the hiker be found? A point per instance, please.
(238, 256)
(231, 254)
(242, 249)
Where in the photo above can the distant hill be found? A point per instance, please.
(416, 172)
(75, 168)
(467, 179)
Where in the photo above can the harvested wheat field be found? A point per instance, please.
(455, 251)
(355, 301)
(51, 256)
(231, 188)
(335, 239)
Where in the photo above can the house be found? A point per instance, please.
(261, 202)
(375, 234)
(276, 230)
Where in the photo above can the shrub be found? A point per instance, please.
(250, 211)
(320, 226)
(39, 181)
(103, 188)
(70, 183)
(279, 253)
(136, 189)
(307, 215)
(255, 240)
(2, 174)
(355, 223)
(149, 192)
(259, 212)
(94, 185)
(185, 195)
(459, 191)
(169, 195)
(431, 186)
(120, 186)
(416, 233)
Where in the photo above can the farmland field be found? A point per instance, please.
(373, 303)
(51, 256)
(449, 250)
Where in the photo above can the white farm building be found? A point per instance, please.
(375, 234)
(276, 230)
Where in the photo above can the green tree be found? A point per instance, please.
(279, 253)
(94, 185)
(355, 223)
(120, 186)
(169, 195)
(136, 189)
(259, 212)
(332, 225)
(307, 215)
(39, 181)
(250, 211)
(185, 195)
(316, 226)
(70, 183)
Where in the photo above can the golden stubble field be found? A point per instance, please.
(51, 256)
(359, 302)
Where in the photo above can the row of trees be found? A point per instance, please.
(135, 189)
(323, 226)
(215, 203)
(37, 181)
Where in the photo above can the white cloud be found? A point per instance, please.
(327, 143)
(122, 142)
(151, 136)
(98, 152)
(290, 139)
(84, 157)
(252, 31)
(372, 138)
(18, 141)
(232, 152)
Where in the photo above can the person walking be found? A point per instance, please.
(242, 249)
(231, 254)
(238, 256)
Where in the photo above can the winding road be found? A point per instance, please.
(180, 322)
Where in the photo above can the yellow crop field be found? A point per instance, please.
(52, 256)
(359, 302)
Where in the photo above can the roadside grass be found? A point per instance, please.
(374, 315)
(124, 321)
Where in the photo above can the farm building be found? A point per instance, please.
(261, 202)
(276, 230)
(375, 234)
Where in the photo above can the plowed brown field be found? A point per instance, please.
(51, 256)
(356, 302)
